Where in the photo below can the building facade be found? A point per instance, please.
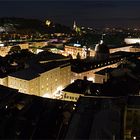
(46, 83)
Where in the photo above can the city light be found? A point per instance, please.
(134, 138)
(48, 22)
(91, 79)
(77, 45)
(47, 95)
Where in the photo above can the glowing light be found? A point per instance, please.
(90, 79)
(1, 45)
(132, 40)
(77, 45)
(47, 95)
(72, 81)
(48, 22)
(59, 88)
(134, 138)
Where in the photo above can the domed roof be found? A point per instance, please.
(101, 48)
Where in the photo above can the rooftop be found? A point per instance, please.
(26, 74)
(36, 69)
(83, 87)
(104, 71)
(80, 66)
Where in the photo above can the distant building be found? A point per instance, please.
(24, 45)
(39, 44)
(125, 48)
(132, 40)
(4, 50)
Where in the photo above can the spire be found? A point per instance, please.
(74, 25)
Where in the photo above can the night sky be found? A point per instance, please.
(91, 13)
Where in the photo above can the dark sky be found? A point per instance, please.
(91, 13)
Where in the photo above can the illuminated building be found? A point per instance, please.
(47, 80)
(75, 49)
(4, 80)
(99, 51)
(132, 40)
(4, 50)
(135, 48)
(26, 81)
(125, 48)
(46, 75)
(24, 45)
(39, 44)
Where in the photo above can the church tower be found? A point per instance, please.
(74, 25)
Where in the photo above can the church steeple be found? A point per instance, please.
(74, 25)
(76, 28)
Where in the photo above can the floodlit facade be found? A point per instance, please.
(73, 50)
(49, 82)
(135, 48)
(125, 49)
(69, 96)
(4, 50)
(132, 40)
(24, 45)
(39, 44)
(4, 81)
(25, 86)
(46, 84)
